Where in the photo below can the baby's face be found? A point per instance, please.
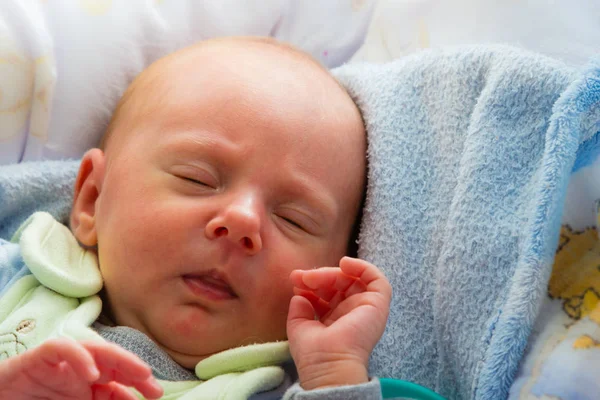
(229, 177)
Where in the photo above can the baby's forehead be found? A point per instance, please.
(217, 66)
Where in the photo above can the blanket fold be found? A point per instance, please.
(35, 186)
(470, 151)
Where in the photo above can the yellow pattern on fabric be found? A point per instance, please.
(576, 274)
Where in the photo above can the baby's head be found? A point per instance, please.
(227, 165)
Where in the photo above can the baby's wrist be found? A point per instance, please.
(331, 374)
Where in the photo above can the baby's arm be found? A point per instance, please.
(352, 304)
(66, 369)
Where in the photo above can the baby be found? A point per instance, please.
(221, 208)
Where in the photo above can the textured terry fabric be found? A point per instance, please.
(470, 150)
(37, 186)
(366, 391)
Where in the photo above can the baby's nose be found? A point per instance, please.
(239, 225)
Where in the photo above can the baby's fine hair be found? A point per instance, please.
(145, 81)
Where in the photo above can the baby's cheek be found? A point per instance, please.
(275, 306)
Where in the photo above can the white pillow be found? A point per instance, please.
(64, 64)
(566, 29)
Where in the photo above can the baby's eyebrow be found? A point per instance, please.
(193, 144)
(193, 141)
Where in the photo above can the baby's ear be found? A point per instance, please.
(87, 190)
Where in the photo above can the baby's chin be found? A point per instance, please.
(186, 353)
(189, 356)
(191, 334)
(188, 361)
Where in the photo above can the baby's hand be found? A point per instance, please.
(68, 370)
(352, 305)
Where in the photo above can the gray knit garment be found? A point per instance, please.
(163, 367)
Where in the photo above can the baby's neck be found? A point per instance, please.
(163, 366)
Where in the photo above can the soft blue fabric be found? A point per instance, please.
(470, 151)
(12, 267)
(35, 186)
(588, 153)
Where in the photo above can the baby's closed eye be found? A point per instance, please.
(298, 220)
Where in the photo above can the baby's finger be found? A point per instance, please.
(320, 306)
(121, 366)
(326, 293)
(369, 274)
(149, 387)
(336, 300)
(300, 311)
(55, 351)
(357, 287)
(325, 277)
(112, 391)
(109, 356)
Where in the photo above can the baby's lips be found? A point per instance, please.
(206, 285)
(219, 283)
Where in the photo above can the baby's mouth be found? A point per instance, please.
(210, 285)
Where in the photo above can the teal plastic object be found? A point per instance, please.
(391, 388)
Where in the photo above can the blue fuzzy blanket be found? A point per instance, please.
(470, 151)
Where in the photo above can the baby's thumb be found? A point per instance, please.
(300, 311)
